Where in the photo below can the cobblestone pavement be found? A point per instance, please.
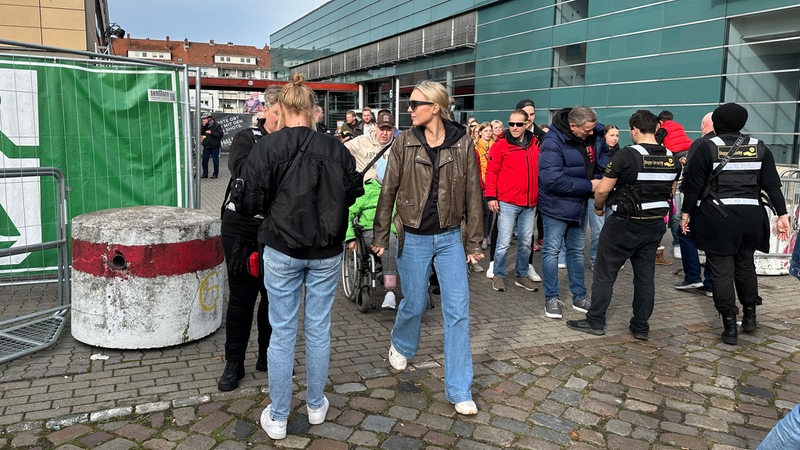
(537, 384)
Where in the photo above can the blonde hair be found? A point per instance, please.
(298, 98)
(271, 96)
(483, 126)
(436, 93)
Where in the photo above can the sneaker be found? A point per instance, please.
(317, 416)
(532, 274)
(525, 283)
(702, 290)
(676, 252)
(638, 334)
(477, 267)
(203, 176)
(490, 270)
(683, 285)
(581, 304)
(498, 284)
(213, 177)
(276, 429)
(562, 265)
(467, 408)
(552, 307)
(397, 360)
(389, 301)
(584, 327)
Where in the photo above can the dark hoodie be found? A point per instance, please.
(430, 215)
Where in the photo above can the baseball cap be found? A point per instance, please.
(385, 119)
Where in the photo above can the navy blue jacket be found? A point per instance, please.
(565, 169)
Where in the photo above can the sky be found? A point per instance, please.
(245, 22)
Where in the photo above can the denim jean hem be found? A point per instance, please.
(459, 397)
(401, 350)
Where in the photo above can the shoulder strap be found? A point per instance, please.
(376, 158)
(295, 162)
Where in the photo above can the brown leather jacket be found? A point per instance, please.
(408, 181)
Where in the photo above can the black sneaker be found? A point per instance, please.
(683, 285)
(584, 327)
(638, 334)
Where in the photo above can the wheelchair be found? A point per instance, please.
(362, 272)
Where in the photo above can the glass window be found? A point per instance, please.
(571, 10)
(569, 65)
(762, 74)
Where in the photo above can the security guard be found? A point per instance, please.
(637, 184)
(722, 198)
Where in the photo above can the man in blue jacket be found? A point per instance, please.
(570, 162)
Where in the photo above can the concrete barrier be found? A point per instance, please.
(146, 277)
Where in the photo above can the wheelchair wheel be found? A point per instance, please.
(363, 302)
(350, 273)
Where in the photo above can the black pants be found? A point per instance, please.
(734, 275)
(620, 240)
(244, 290)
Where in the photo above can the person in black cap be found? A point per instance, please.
(211, 134)
(723, 203)
(529, 107)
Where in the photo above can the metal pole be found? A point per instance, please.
(197, 146)
(191, 201)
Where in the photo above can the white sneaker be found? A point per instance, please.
(532, 274)
(397, 360)
(562, 265)
(317, 416)
(467, 408)
(389, 301)
(676, 251)
(276, 429)
(490, 270)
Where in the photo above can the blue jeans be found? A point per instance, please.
(446, 252)
(285, 278)
(691, 262)
(524, 218)
(573, 236)
(596, 225)
(785, 435)
(212, 153)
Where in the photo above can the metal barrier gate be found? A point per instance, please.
(36, 331)
(776, 262)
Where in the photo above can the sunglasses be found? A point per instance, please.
(516, 124)
(413, 104)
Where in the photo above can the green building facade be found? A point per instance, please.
(686, 56)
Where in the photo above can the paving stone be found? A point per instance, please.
(401, 443)
(327, 444)
(379, 424)
(238, 430)
(705, 422)
(442, 440)
(566, 396)
(618, 427)
(410, 429)
(349, 388)
(403, 413)
(435, 422)
(494, 435)
(576, 384)
(548, 421)
(374, 373)
(682, 440)
(68, 434)
(158, 444)
(364, 438)
(231, 445)
(550, 435)
(120, 444)
(615, 441)
(463, 429)
(331, 431)
(212, 422)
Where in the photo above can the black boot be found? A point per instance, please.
(749, 323)
(261, 362)
(730, 335)
(234, 371)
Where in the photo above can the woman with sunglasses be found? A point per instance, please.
(434, 179)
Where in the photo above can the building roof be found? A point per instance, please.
(194, 53)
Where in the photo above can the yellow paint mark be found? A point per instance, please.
(210, 291)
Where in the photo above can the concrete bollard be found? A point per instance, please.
(146, 277)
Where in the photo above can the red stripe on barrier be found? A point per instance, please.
(146, 261)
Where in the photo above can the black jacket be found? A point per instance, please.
(307, 219)
(214, 139)
(233, 223)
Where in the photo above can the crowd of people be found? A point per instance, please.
(434, 199)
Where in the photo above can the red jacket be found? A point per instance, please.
(676, 140)
(512, 173)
